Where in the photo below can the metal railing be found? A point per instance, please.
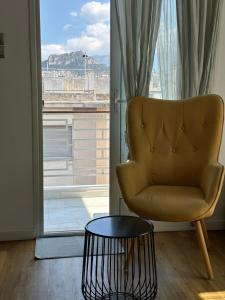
(75, 80)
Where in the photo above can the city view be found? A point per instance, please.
(76, 120)
(75, 94)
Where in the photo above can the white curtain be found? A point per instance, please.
(166, 60)
(138, 24)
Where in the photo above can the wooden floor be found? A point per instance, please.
(180, 271)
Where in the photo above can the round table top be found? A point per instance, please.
(119, 227)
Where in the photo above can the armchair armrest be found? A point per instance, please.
(212, 181)
(132, 179)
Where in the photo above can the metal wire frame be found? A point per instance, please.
(119, 268)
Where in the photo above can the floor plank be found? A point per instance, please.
(181, 273)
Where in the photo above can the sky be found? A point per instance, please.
(73, 25)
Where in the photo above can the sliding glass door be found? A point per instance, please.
(81, 120)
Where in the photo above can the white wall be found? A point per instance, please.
(16, 175)
(218, 87)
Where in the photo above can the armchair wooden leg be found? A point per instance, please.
(204, 251)
(205, 233)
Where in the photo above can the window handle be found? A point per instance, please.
(117, 100)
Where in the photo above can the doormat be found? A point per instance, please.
(61, 247)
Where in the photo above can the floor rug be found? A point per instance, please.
(61, 247)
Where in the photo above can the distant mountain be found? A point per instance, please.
(102, 59)
(76, 60)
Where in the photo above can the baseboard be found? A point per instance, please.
(184, 226)
(13, 235)
(215, 224)
(27, 234)
(171, 226)
(212, 224)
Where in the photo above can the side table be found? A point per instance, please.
(119, 259)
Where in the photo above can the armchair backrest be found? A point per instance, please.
(175, 140)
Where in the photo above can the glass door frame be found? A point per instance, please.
(36, 92)
(115, 110)
(115, 65)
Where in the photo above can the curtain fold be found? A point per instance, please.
(138, 24)
(167, 50)
(197, 22)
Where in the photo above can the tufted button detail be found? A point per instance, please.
(174, 149)
(195, 149)
(142, 125)
(204, 124)
(183, 127)
(152, 149)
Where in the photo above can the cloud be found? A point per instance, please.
(98, 29)
(67, 27)
(47, 50)
(95, 40)
(73, 14)
(96, 11)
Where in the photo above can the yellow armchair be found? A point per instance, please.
(173, 173)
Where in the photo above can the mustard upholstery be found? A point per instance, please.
(173, 173)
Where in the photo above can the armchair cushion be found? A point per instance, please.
(170, 203)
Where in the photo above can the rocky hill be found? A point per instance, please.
(75, 60)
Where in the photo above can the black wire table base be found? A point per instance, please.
(119, 266)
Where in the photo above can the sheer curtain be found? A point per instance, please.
(166, 60)
(138, 24)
